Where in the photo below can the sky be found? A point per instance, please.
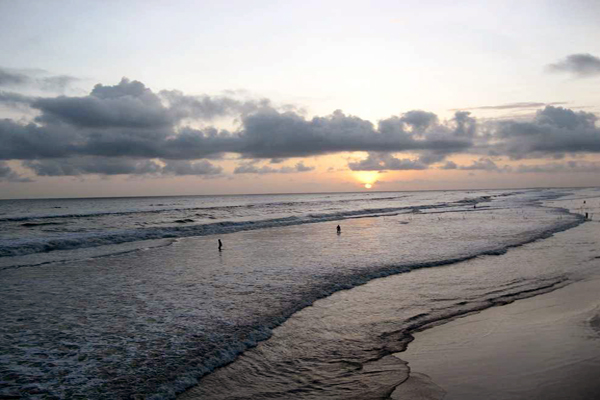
(137, 98)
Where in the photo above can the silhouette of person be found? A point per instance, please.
(586, 215)
(339, 230)
(220, 244)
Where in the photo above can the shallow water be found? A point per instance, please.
(151, 317)
(329, 350)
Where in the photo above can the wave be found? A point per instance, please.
(34, 224)
(398, 340)
(184, 229)
(190, 209)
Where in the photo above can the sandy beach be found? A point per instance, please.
(544, 347)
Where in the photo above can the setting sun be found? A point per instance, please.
(368, 178)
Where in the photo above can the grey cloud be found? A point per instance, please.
(208, 108)
(386, 162)
(11, 99)
(300, 167)
(581, 65)
(251, 168)
(557, 168)
(484, 164)
(128, 119)
(57, 83)
(270, 134)
(512, 106)
(419, 120)
(179, 167)
(53, 83)
(92, 165)
(130, 122)
(554, 130)
(449, 165)
(129, 104)
(118, 166)
(11, 78)
(7, 174)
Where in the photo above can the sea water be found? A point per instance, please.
(113, 298)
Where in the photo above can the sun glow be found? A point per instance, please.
(367, 178)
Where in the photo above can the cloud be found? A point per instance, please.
(52, 83)
(129, 129)
(482, 164)
(250, 167)
(16, 100)
(386, 162)
(206, 107)
(449, 165)
(91, 165)
(179, 167)
(557, 168)
(7, 174)
(56, 83)
(11, 78)
(127, 105)
(271, 134)
(582, 65)
(118, 166)
(512, 106)
(554, 130)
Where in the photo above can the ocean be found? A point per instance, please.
(118, 298)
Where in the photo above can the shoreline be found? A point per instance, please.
(542, 347)
(286, 334)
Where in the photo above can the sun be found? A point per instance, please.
(366, 178)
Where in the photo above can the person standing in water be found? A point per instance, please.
(220, 244)
(339, 230)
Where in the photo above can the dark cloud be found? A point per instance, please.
(270, 134)
(483, 164)
(92, 165)
(554, 130)
(250, 167)
(208, 108)
(557, 168)
(581, 65)
(118, 166)
(386, 162)
(129, 129)
(52, 83)
(10, 78)
(449, 165)
(7, 174)
(126, 105)
(202, 167)
(11, 99)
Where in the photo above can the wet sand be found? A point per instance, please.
(544, 347)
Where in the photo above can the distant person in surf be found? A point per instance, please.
(220, 244)
(339, 230)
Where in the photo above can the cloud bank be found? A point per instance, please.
(129, 129)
